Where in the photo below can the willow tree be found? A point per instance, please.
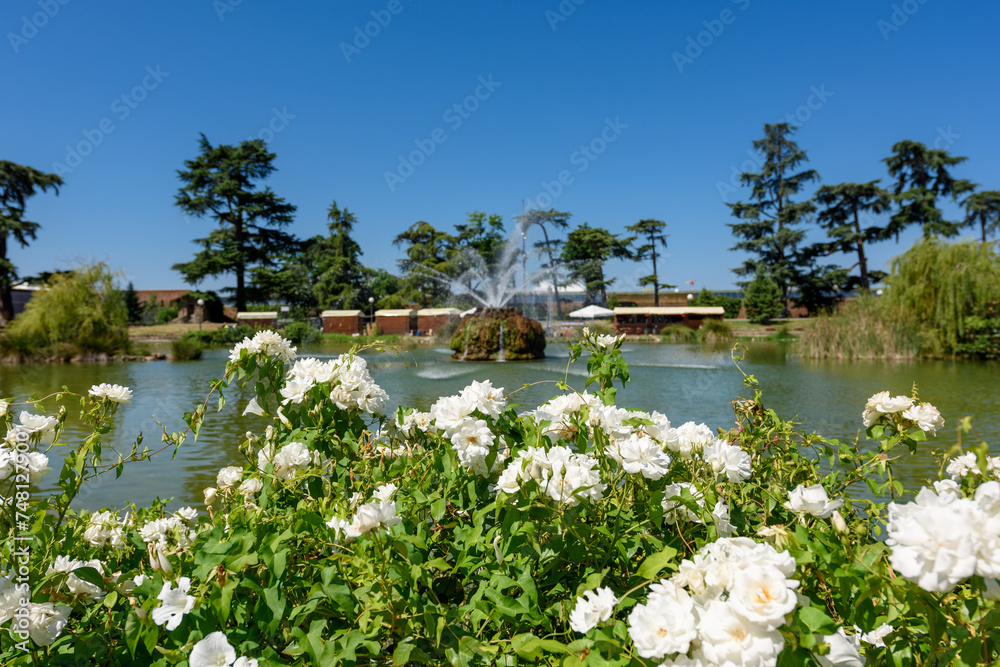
(842, 209)
(651, 232)
(224, 183)
(768, 228)
(17, 184)
(940, 284)
(983, 209)
(922, 177)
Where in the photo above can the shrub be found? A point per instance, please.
(166, 314)
(301, 332)
(580, 533)
(185, 348)
(762, 299)
(81, 311)
(714, 330)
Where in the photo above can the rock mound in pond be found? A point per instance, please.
(477, 337)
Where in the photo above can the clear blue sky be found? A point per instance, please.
(339, 117)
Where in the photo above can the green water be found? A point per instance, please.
(684, 382)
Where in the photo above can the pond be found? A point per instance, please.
(685, 382)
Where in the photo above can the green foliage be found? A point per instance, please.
(585, 252)
(227, 335)
(222, 184)
(980, 337)
(186, 348)
(301, 333)
(78, 313)
(454, 568)
(843, 207)
(762, 299)
(166, 314)
(922, 176)
(768, 228)
(940, 284)
(983, 209)
(18, 183)
(428, 259)
(132, 305)
(731, 305)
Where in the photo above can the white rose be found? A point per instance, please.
(46, 621)
(112, 392)
(812, 500)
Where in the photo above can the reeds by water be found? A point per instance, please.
(861, 329)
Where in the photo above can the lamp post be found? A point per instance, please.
(371, 307)
(201, 312)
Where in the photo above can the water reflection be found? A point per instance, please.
(685, 382)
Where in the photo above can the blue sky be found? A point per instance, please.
(645, 109)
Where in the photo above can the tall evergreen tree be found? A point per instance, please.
(586, 250)
(550, 246)
(651, 231)
(922, 177)
(17, 184)
(769, 221)
(843, 206)
(983, 209)
(338, 261)
(222, 183)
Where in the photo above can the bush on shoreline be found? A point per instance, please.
(576, 533)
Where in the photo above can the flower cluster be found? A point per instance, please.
(216, 651)
(470, 435)
(289, 460)
(902, 410)
(267, 343)
(114, 393)
(942, 538)
(966, 465)
(723, 606)
(106, 528)
(74, 584)
(15, 452)
(44, 621)
(379, 513)
(563, 475)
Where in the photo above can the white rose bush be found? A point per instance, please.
(483, 532)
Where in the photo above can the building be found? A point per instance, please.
(651, 320)
(429, 319)
(342, 321)
(258, 320)
(400, 322)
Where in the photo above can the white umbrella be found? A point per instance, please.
(592, 311)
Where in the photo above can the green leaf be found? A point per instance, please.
(817, 620)
(654, 564)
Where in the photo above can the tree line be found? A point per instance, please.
(771, 225)
(251, 242)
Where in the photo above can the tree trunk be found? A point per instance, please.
(862, 262)
(552, 273)
(656, 276)
(241, 297)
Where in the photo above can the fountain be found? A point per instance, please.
(495, 331)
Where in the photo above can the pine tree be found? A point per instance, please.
(586, 250)
(922, 177)
(651, 231)
(841, 216)
(17, 184)
(983, 209)
(222, 183)
(769, 221)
